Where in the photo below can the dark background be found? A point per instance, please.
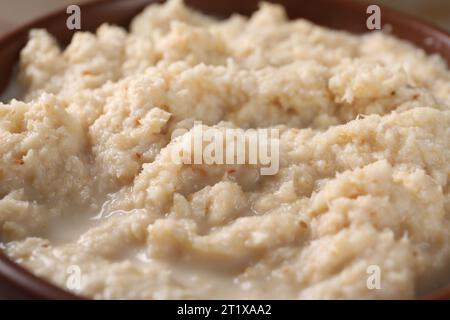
(16, 12)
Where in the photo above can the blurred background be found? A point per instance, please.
(15, 12)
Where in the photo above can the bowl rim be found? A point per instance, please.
(32, 286)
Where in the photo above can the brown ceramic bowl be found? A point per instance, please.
(16, 282)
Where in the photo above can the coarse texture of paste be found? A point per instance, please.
(87, 180)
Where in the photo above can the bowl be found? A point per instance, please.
(17, 282)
